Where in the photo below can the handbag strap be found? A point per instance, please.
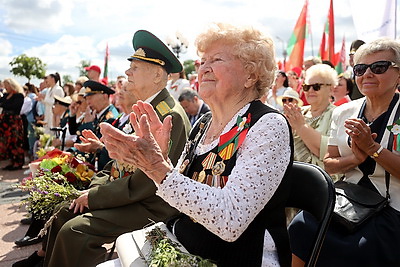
(389, 147)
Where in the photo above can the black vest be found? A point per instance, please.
(247, 250)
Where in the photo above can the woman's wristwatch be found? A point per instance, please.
(376, 154)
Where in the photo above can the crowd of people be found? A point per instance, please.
(244, 122)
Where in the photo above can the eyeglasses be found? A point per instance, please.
(315, 86)
(79, 102)
(377, 67)
(284, 100)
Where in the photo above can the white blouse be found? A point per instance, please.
(261, 164)
(339, 138)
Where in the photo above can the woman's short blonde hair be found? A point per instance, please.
(253, 48)
(326, 72)
(14, 85)
(379, 45)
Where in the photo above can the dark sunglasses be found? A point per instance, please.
(284, 100)
(79, 102)
(315, 86)
(378, 67)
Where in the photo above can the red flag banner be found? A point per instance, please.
(296, 43)
(327, 47)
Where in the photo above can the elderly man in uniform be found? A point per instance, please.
(128, 202)
(99, 110)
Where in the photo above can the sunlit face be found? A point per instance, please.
(279, 80)
(221, 74)
(140, 78)
(318, 97)
(377, 85)
(340, 90)
(125, 98)
(8, 87)
(190, 106)
(119, 83)
(97, 102)
(92, 75)
(293, 79)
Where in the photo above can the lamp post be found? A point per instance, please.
(178, 43)
(284, 52)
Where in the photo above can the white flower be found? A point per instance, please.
(127, 128)
(396, 129)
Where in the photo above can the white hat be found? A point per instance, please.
(290, 93)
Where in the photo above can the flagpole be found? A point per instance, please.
(395, 20)
(312, 45)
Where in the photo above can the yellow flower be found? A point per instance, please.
(84, 173)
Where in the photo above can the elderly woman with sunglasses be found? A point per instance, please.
(311, 123)
(360, 146)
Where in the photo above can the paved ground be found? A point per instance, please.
(10, 215)
(11, 212)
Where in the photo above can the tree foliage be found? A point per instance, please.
(82, 65)
(188, 66)
(67, 79)
(28, 67)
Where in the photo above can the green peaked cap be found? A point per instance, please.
(150, 49)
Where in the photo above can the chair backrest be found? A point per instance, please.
(313, 191)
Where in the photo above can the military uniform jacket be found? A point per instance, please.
(132, 199)
(100, 158)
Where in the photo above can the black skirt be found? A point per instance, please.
(377, 243)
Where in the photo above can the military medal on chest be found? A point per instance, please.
(207, 164)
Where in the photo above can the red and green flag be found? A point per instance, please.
(327, 47)
(295, 49)
(105, 73)
(340, 66)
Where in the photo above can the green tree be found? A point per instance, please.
(188, 66)
(82, 65)
(28, 67)
(67, 79)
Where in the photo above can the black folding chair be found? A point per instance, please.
(313, 191)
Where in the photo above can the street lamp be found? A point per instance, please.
(284, 52)
(178, 43)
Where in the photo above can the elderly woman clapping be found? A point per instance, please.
(230, 184)
(364, 145)
(311, 123)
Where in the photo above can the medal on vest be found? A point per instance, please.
(183, 166)
(201, 177)
(218, 168)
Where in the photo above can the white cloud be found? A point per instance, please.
(24, 16)
(5, 47)
(64, 32)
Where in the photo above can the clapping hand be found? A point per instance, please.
(161, 131)
(362, 140)
(294, 116)
(90, 142)
(141, 150)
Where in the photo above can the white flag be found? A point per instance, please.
(374, 19)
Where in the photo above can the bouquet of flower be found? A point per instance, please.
(56, 177)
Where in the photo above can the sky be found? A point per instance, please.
(63, 32)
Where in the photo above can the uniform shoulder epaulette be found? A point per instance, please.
(163, 108)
